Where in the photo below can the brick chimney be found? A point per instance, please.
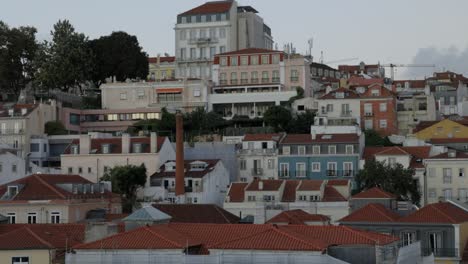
(180, 181)
(85, 144)
(153, 142)
(125, 143)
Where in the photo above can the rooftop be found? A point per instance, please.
(373, 212)
(297, 217)
(210, 8)
(168, 59)
(443, 212)
(198, 172)
(97, 144)
(262, 137)
(249, 51)
(320, 138)
(346, 94)
(374, 193)
(197, 213)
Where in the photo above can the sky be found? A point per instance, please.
(397, 31)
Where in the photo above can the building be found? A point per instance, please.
(161, 68)
(212, 28)
(174, 94)
(447, 177)
(378, 110)
(247, 82)
(197, 213)
(439, 228)
(14, 167)
(93, 157)
(320, 155)
(372, 70)
(231, 243)
(54, 198)
(264, 199)
(258, 156)
(450, 91)
(299, 217)
(339, 107)
(459, 144)
(21, 121)
(40, 243)
(206, 182)
(446, 128)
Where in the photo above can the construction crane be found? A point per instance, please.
(393, 66)
(342, 60)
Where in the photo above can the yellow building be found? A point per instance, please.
(161, 68)
(441, 129)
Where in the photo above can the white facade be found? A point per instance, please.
(12, 167)
(258, 159)
(340, 111)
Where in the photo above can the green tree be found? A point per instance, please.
(278, 117)
(66, 62)
(391, 178)
(301, 123)
(126, 180)
(54, 128)
(18, 47)
(300, 95)
(119, 55)
(374, 139)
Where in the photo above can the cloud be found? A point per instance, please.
(448, 59)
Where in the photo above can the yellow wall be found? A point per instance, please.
(35, 256)
(444, 129)
(463, 237)
(158, 69)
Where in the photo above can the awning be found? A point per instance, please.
(169, 90)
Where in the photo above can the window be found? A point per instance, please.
(223, 62)
(461, 172)
(294, 75)
(268, 198)
(20, 260)
(123, 96)
(253, 60)
(265, 59)
(331, 169)
(407, 238)
(137, 148)
(368, 124)
(448, 194)
(80, 170)
(435, 243)
(183, 34)
(383, 123)
(105, 148)
(314, 198)
(32, 218)
(212, 52)
(70, 170)
(302, 197)
(244, 77)
(383, 107)
(271, 164)
(265, 77)
(233, 77)
(462, 194)
(222, 33)
(182, 53)
(276, 58)
(14, 168)
(34, 147)
(1, 167)
(348, 169)
(212, 33)
(301, 150)
(254, 76)
(222, 49)
(193, 53)
(244, 60)
(152, 116)
(11, 218)
(316, 166)
(284, 169)
(375, 92)
(243, 164)
(275, 76)
(300, 169)
(286, 150)
(90, 170)
(447, 175)
(349, 149)
(329, 108)
(106, 169)
(202, 32)
(233, 61)
(251, 198)
(368, 109)
(432, 192)
(55, 217)
(431, 172)
(331, 149)
(316, 150)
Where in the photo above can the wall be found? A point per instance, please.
(436, 181)
(443, 129)
(35, 255)
(7, 160)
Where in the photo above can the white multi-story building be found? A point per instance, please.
(206, 182)
(258, 157)
(339, 107)
(212, 28)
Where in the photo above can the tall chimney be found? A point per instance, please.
(153, 142)
(85, 144)
(180, 182)
(313, 134)
(125, 143)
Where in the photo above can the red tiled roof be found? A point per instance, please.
(412, 83)
(384, 92)
(374, 193)
(373, 212)
(268, 185)
(443, 212)
(423, 125)
(161, 59)
(210, 8)
(448, 140)
(297, 217)
(310, 185)
(115, 217)
(392, 151)
(249, 51)
(307, 138)
(45, 187)
(116, 144)
(348, 94)
(330, 194)
(361, 81)
(199, 173)
(39, 236)
(236, 192)
(197, 213)
(458, 155)
(262, 137)
(417, 153)
(289, 192)
(338, 182)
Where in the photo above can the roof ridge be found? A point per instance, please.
(359, 233)
(219, 211)
(381, 212)
(100, 241)
(49, 186)
(241, 237)
(296, 238)
(164, 238)
(442, 212)
(38, 237)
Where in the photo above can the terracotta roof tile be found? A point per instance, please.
(458, 155)
(161, 59)
(297, 217)
(307, 138)
(262, 137)
(448, 140)
(236, 192)
(338, 182)
(361, 81)
(249, 51)
(373, 212)
(210, 8)
(348, 94)
(310, 185)
(412, 83)
(330, 194)
(268, 185)
(444, 212)
(289, 192)
(374, 193)
(392, 151)
(197, 213)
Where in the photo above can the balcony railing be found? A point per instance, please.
(440, 252)
(223, 82)
(284, 174)
(368, 114)
(234, 81)
(265, 80)
(348, 173)
(301, 173)
(275, 80)
(257, 151)
(294, 79)
(332, 173)
(257, 171)
(244, 81)
(11, 131)
(345, 113)
(202, 40)
(254, 80)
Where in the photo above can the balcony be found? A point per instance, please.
(257, 171)
(244, 81)
(265, 80)
(19, 131)
(294, 79)
(345, 113)
(301, 174)
(275, 80)
(198, 41)
(257, 151)
(254, 80)
(440, 252)
(368, 114)
(233, 81)
(284, 174)
(332, 173)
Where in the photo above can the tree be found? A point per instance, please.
(391, 178)
(278, 117)
(18, 47)
(119, 55)
(65, 63)
(301, 123)
(126, 180)
(54, 128)
(374, 139)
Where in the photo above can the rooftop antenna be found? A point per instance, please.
(310, 43)
(321, 57)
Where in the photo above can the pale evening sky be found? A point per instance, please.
(398, 31)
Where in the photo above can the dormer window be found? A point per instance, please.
(106, 148)
(339, 95)
(74, 149)
(12, 191)
(198, 166)
(24, 111)
(137, 148)
(170, 166)
(375, 92)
